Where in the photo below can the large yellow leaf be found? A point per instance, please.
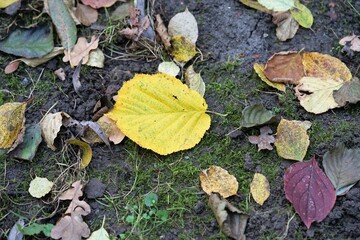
(160, 113)
(11, 122)
(260, 188)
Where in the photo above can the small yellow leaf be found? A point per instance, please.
(6, 3)
(260, 188)
(12, 119)
(259, 69)
(302, 15)
(182, 49)
(160, 113)
(39, 187)
(218, 180)
(87, 152)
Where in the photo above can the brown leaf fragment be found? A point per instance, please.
(138, 25)
(349, 92)
(353, 42)
(264, 140)
(162, 31)
(285, 67)
(60, 73)
(86, 15)
(231, 220)
(81, 50)
(287, 26)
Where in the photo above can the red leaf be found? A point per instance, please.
(309, 190)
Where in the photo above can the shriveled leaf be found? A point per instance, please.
(99, 3)
(194, 80)
(169, 68)
(50, 127)
(87, 151)
(12, 119)
(342, 166)
(112, 132)
(139, 24)
(292, 140)
(310, 191)
(325, 66)
(260, 188)
(29, 43)
(184, 24)
(264, 140)
(278, 5)
(231, 220)
(256, 5)
(160, 113)
(96, 58)
(349, 92)
(284, 67)
(316, 94)
(86, 15)
(162, 31)
(6, 3)
(60, 73)
(14, 233)
(81, 51)
(33, 62)
(39, 187)
(353, 42)
(287, 26)
(183, 49)
(64, 23)
(27, 149)
(36, 228)
(255, 115)
(302, 15)
(259, 69)
(217, 180)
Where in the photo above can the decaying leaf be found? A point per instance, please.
(87, 151)
(71, 226)
(256, 5)
(39, 187)
(27, 149)
(99, 3)
(278, 5)
(325, 66)
(309, 190)
(353, 42)
(81, 51)
(302, 15)
(348, 93)
(231, 220)
(160, 113)
(264, 140)
(184, 24)
(50, 126)
(287, 26)
(259, 69)
(255, 115)
(217, 180)
(12, 119)
(169, 68)
(342, 166)
(260, 188)
(138, 25)
(162, 31)
(182, 49)
(194, 80)
(112, 132)
(86, 15)
(60, 73)
(292, 140)
(285, 67)
(101, 131)
(96, 58)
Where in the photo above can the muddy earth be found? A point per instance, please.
(232, 37)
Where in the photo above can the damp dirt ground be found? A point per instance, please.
(232, 37)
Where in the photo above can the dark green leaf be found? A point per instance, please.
(349, 92)
(27, 149)
(256, 115)
(30, 43)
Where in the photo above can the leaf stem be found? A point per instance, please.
(216, 113)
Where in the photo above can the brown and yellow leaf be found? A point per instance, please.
(259, 69)
(183, 49)
(81, 50)
(325, 66)
(87, 151)
(260, 188)
(217, 180)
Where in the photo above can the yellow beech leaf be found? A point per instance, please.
(292, 140)
(6, 3)
(160, 113)
(325, 66)
(218, 180)
(260, 188)
(87, 151)
(12, 119)
(182, 49)
(259, 69)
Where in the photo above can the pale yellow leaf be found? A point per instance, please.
(184, 24)
(50, 126)
(169, 68)
(39, 187)
(194, 80)
(260, 188)
(96, 58)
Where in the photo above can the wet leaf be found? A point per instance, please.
(39, 187)
(36, 228)
(6, 3)
(29, 43)
(260, 188)
(160, 113)
(259, 69)
(231, 220)
(169, 68)
(287, 26)
(96, 58)
(256, 5)
(353, 42)
(12, 119)
(325, 66)
(194, 80)
(284, 67)
(162, 31)
(27, 149)
(264, 140)
(278, 5)
(310, 191)
(302, 15)
(64, 23)
(184, 24)
(81, 51)
(342, 166)
(255, 115)
(316, 94)
(218, 180)
(87, 151)
(86, 15)
(349, 92)
(292, 140)
(183, 50)
(99, 3)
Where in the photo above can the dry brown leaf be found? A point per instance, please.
(60, 73)
(81, 50)
(264, 140)
(138, 25)
(99, 3)
(287, 26)
(353, 42)
(162, 31)
(285, 67)
(86, 15)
